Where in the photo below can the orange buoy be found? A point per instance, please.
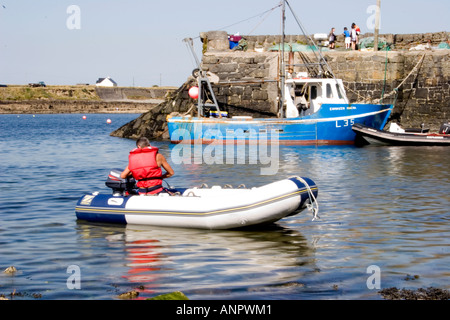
(84, 117)
(108, 121)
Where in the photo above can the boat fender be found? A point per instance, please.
(445, 128)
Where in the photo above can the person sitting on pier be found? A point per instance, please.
(144, 164)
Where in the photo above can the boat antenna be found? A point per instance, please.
(190, 44)
(283, 68)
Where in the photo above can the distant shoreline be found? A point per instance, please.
(21, 99)
(72, 106)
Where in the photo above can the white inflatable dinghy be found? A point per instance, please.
(199, 207)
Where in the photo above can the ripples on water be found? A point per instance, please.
(384, 206)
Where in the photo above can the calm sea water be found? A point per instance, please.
(386, 207)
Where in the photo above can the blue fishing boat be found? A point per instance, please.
(313, 109)
(325, 117)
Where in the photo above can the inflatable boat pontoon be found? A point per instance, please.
(199, 207)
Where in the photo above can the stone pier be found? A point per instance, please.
(247, 81)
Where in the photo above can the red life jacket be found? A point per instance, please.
(144, 167)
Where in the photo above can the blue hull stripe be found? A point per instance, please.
(330, 125)
(100, 200)
(107, 213)
(101, 217)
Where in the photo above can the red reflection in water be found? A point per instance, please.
(144, 261)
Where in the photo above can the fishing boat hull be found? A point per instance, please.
(369, 135)
(332, 124)
(203, 208)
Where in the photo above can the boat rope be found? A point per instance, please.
(416, 67)
(255, 16)
(385, 75)
(189, 111)
(317, 54)
(395, 90)
(312, 199)
(245, 20)
(347, 88)
(263, 19)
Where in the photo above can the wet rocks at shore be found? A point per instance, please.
(152, 124)
(419, 294)
(129, 295)
(177, 295)
(10, 270)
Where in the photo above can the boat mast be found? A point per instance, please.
(204, 85)
(321, 60)
(283, 67)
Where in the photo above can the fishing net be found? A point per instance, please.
(443, 45)
(367, 43)
(296, 47)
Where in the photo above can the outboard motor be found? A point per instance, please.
(445, 128)
(118, 185)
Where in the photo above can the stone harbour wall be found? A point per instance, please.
(247, 81)
(423, 76)
(152, 124)
(247, 86)
(214, 41)
(132, 93)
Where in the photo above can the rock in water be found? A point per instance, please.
(10, 270)
(153, 124)
(177, 295)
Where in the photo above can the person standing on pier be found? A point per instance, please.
(348, 40)
(354, 36)
(332, 38)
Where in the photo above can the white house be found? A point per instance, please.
(106, 82)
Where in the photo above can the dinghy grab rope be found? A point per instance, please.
(312, 200)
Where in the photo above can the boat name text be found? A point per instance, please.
(345, 123)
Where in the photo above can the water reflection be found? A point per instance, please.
(385, 206)
(203, 263)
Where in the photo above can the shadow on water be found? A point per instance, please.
(262, 262)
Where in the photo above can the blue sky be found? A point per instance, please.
(139, 42)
